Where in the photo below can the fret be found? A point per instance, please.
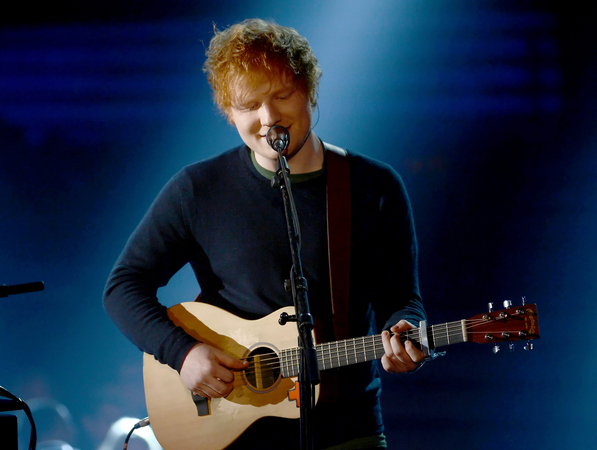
(369, 350)
(363, 350)
(320, 356)
(283, 364)
(374, 349)
(438, 341)
(291, 371)
(287, 363)
(463, 326)
(432, 344)
(346, 352)
(295, 362)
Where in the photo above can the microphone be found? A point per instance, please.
(278, 138)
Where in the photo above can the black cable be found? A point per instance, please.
(140, 424)
(128, 436)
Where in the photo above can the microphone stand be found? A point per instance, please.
(6, 290)
(309, 369)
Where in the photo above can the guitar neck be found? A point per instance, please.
(332, 355)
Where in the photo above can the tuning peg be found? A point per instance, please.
(529, 346)
(524, 301)
(490, 306)
(496, 348)
(507, 303)
(511, 346)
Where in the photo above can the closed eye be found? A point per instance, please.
(248, 107)
(285, 95)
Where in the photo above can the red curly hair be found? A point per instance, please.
(253, 50)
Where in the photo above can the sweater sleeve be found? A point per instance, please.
(394, 252)
(157, 249)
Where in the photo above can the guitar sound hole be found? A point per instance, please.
(264, 369)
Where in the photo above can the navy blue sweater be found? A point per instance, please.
(224, 218)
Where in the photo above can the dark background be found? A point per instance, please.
(487, 109)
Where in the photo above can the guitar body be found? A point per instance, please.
(178, 423)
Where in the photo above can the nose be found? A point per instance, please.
(269, 115)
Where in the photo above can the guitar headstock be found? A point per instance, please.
(517, 323)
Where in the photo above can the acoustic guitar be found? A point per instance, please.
(268, 386)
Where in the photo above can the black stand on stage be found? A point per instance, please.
(5, 290)
(10, 402)
(278, 139)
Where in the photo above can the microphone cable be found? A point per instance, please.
(142, 423)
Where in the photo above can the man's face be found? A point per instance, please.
(276, 101)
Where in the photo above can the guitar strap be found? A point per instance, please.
(338, 213)
(338, 231)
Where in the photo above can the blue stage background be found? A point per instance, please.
(487, 110)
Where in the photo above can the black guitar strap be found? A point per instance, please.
(339, 243)
(338, 232)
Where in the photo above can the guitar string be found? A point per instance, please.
(412, 334)
(366, 346)
(371, 343)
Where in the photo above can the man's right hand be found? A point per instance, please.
(208, 371)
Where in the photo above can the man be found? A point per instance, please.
(223, 217)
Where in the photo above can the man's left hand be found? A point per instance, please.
(400, 358)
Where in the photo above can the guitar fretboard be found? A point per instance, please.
(332, 355)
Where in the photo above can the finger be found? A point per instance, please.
(215, 389)
(198, 392)
(403, 325)
(230, 362)
(388, 361)
(387, 346)
(406, 358)
(387, 366)
(416, 355)
(222, 374)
